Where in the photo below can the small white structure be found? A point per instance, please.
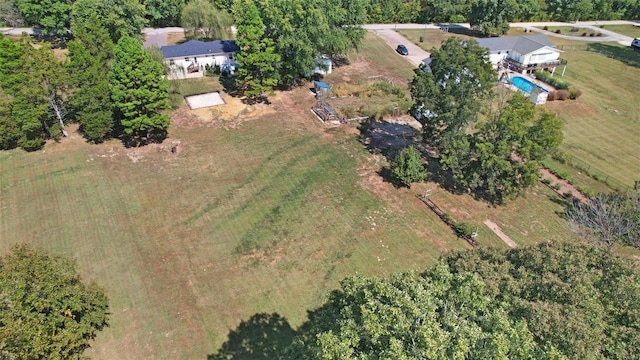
(194, 56)
(523, 53)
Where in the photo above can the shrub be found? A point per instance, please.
(545, 28)
(557, 186)
(592, 34)
(558, 31)
(584, 34)
(546, 181)
(408, 167)
(574, 93)
(562, 94)
(575, 29)
(421, 38)
(464, 229)
(599, 34)
(551, 96)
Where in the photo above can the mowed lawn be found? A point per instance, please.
(264, 217)
(602, 127)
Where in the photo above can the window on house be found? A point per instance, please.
(230, 56)
(171, 61)
(186, 59)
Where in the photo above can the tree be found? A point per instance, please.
(9, 14)
(551, 301)
(505, 150)
(493, 16)
(257, 57)
(449, 96)
(35, 85)
(162, 13)
(201, 18)
(607, 219)
(10, 132)
(139, 91)
(46, 310)
(120, 17)
(52, 16)
(91, 52)
(408, 166)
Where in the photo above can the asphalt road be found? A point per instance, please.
(393, 38)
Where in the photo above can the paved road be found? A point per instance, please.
(391, 37)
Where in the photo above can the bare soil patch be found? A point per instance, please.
(498, 231)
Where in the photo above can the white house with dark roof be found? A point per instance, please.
(523, 53)
(194, 56)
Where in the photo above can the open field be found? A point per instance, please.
(572, 31)
(628, 30)
(603, 126)
(432, 38)
(262, 217)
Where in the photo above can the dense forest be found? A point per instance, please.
(57, 15)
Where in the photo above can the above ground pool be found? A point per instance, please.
(524, 84)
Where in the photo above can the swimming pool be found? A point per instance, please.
(524, 84)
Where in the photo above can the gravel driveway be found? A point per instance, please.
(416, 54)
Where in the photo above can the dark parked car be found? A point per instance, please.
(402, 50)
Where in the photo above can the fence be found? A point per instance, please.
(599, 50)
(593, 172)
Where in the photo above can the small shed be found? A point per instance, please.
(321, 88)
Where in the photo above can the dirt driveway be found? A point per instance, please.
(391, 37)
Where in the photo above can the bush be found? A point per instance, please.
(562, 94)
(551, 96)
(546, 181)
(546, 28)
(408, 166)
(558, 31)
(584, 34)
(575, 29)
(464, 230)
(592, 34)
(574, 93)
(421, 38)
(545, 76)
(557, 186)
(599, 34)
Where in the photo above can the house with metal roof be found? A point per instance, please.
(524, 53)
(194, 56)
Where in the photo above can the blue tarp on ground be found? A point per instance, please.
(321, 85)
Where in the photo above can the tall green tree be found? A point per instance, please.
(492, 17)
(551, 301)
(139, 92)
(46, 310)
(257, 58)
(49, 15)
(90, 54)
(162, 13)
(10, 132)
(448, 97)
(120, 17)
(200, 18)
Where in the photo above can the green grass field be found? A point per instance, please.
(628, 30)
(261, 219)
(602, 127)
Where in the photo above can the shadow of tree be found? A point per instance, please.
(626, 55)
(386, 138)
(262, 337)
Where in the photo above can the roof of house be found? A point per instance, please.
(197, 47)
(524, 44)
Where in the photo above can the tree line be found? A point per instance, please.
(58, 15)
(110, 89)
